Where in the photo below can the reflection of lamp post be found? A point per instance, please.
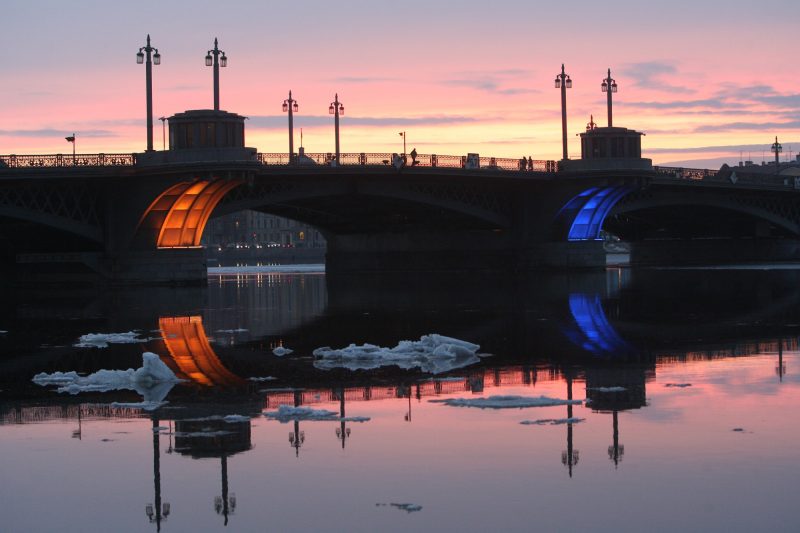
(570, 456)
(336, 108)
(342, 432)
(616, 450)
(157, 512)
(217, 62)
(156, 60)
(78, 433)
(563, 82)
(290, 106)
(609, 86)
(297, 437)
(225, 504)
(781, 368)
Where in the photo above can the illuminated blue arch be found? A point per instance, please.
(585, 213)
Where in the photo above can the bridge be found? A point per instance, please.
(139, 218)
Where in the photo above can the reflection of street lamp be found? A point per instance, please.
(563, 82)
(225, 504)
(290, 106)
(157, 512)
(163, 132)
(616, 450)
(297, 438)
(781, 368)
(609, 86)
(342, 432)
(217, 62)
(336, 108)
(570, 456)
(156, 60)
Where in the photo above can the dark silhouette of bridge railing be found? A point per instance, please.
(282, 159)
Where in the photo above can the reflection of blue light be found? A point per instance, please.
(594, 333)
(588, 210)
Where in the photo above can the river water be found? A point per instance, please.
(683, 386)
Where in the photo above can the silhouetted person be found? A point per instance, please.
(530, 163)
(413, 155)
(523, 163)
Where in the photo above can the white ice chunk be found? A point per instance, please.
(153, 380)
(431, 353)
(3, 331)
(102, 340)
(286, 413)
(265, 378)
(236, 418)
(552, 421)
(280, 351)
(607, 389)
(506, 402)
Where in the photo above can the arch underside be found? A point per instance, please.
(648, 215)
(341, 209)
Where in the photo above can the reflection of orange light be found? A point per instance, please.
(188, 346)
(180, 214)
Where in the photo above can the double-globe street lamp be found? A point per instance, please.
(219, 59)
(336, 108)
(290, 106)
(153, 58)
(563, 82)
(609, 86)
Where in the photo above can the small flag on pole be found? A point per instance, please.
(70, 139)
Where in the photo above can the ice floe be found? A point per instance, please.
(552, 421)
(152, 381)
(265, 378)
(287, 413)
(280, 351)
(679, 385)
(102, 340)
(237, 330)
(607, 389)
(506, 402)
(407, 507)
(431, 353)
(3, 331)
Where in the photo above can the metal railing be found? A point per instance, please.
(685, 173)
(421, 160)
(62, 160)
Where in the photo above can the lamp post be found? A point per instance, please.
(290, 106)
(609, 86)
(777, 148)
(336, 108)
(403, 135)
(163, 132)
(216, 62)
(563, 82)
(71, 139)
(152, 59)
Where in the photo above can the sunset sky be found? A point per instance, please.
(703, 79)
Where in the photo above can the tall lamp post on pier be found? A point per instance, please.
(290, 106)
(609, 86)
(153, 58)
(216, 61)
(777, 148)
(563, 82)
(336, 108)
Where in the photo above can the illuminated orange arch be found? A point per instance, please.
(179, 215)
(188, 346)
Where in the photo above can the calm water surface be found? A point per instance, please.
(688, 382)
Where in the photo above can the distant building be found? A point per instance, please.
(256, 228)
